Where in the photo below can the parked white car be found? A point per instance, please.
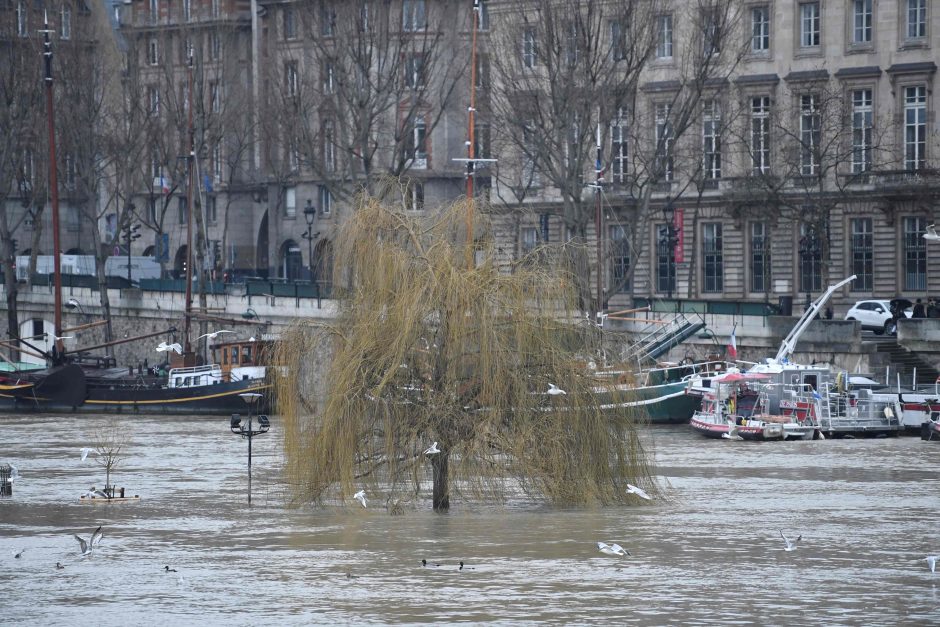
(873, 314)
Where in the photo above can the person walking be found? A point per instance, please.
(919, 310)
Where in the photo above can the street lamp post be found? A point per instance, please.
(251, 399)
(130, 235)
(310, 214)
(668, 239)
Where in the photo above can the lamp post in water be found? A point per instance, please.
(246, 431)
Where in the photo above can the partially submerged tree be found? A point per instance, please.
(427, 350)
(111, 442)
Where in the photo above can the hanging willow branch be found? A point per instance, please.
(425, 349)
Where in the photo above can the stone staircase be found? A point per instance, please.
(901, 361)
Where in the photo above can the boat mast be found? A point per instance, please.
(190, 162)
(58, 351)
(599, 220)
(471, 115)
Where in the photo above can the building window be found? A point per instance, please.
(414, 71)
(69, 172)
(618, 50)
(482, 70)
(760, 29)
(863, 255)
(22, 19)
(809, 24)
(915, 127)
(328, 78)
(481, 140)
(215, 46)
(809, 134)
(181, 209)
(212, 211)
(618, 148)
(665, 260)
(572, 45)
(413, 17)
(290, 201)
(290, 23)
(65, 22)
(327, 21)
(664, 36)
(215, 97)
(154, 10)
(862, 120)
(187, 10)
(153, 96)
(810, 259)
(861, 18)
(153, 51)
(530, 50)
(916, 19)
(760, 134)
(414, 196)
(329, 147)
(216, 8)
(619, 259)
(326, 199)
(712, 258)
(152, 209)
(915, 254)
(186, 50)
(529, 239)
(664, 141)
(711, 140)
(217, 161)
(760, 258)
(711, 33)
(417, 147)
(483, 19)
(530, 173)
(290, 78)
(156, 171)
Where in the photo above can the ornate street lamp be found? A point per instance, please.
(668, 238)
(246, 431)
(310, 215)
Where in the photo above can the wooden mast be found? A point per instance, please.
(58, 350)
(599, 223)
(471, 114)
(188, 357)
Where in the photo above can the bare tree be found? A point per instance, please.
(111, 444)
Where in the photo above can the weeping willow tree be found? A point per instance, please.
(426, 349)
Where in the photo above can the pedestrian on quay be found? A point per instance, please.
(932, 310)
(918, 310)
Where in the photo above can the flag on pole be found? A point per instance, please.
(161, 183)
(733, 345)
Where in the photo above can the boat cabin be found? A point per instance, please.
(242, 359)
(195, 376)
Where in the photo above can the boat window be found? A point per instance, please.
(186, 381)
(224, 357)
(234, 355)
(812, 381)
(176, 382)
(246, 355)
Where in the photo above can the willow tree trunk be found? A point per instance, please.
(440, 495)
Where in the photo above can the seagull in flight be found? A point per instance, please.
(791, 544)
(56, 338)
(432, 450)
(612, 549)
(931, 235)
(95, 539)
(85, 452)
(162, 347)
(640, 492)
(554, 390)
(930, 559)
(732, 433)
(14, 473)
(361, 497)
(214, 334)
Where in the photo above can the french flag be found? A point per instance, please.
(733, 345)
(161, 183)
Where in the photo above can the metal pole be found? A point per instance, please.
(128, 255)
(249, 456)
(54, 191)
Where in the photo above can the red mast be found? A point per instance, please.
(58, 347)
(191, 163)
(471, 111)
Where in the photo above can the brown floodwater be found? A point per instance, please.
(710, 552)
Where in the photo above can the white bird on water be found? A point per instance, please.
(732, 433)
(162, 347)
(214, 334)
(612, 549)
(790, 544)
(554, 390)
(932, 562)
(361, 497)
(640, 492)
(95, 539)
(432, 450)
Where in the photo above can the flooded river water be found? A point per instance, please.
(709, 553)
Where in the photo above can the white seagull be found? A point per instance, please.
(85, 452)
(214, 334)
(162, 347)
(14, 473)
(732, 433)
(554, 390)
(930, 559)
(432, 450)
(361, 497)
(640, 492)
(94, 494)
(612, 549)
(791, 544)
(931, 235)
(87, 547)
(56, 338)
